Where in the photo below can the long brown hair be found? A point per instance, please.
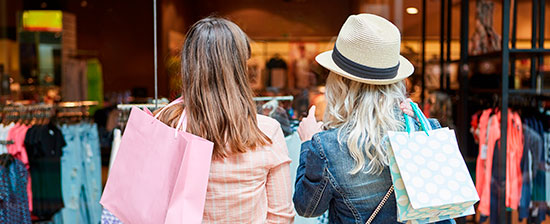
(215, 91)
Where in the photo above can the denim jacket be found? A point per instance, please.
(323, 182)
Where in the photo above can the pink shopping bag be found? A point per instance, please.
(160, 174)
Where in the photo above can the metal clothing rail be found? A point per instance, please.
(63, 110)
(18, 107)
(72, 104)
(269, 98)
(145, 105)
(152, 105)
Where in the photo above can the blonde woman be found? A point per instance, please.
(345, 168)
(249, 178)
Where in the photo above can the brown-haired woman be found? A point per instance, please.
(249, 178)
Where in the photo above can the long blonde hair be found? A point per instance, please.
(216, 94)
(364, 113)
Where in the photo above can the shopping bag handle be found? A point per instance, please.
(424, 123)
(183, 118)
(176, 101)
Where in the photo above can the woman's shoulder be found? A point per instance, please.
(325, 140)
(268, 125)
(278, 152)
(329, 134)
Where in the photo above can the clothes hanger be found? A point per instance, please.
(19, 116)
(42, 116)
(6, 160)
(31, 118)
(5, 116)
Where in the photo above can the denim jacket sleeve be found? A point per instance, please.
(313, 190)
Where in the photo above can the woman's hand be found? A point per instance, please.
(407, 108)
(309, 126)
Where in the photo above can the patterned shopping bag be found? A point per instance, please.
(430, 177)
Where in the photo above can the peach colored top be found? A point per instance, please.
(252, 187)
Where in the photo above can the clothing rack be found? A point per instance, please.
(43, 113)
(74, 108)
(269, 98)
(20, 107)
(69, 104)
(61, 109)
(507, 55)
(124, 110)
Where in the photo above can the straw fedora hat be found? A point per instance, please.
(367, 51)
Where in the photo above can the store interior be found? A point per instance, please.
(82, 64)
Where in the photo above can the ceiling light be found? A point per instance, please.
(412, 10)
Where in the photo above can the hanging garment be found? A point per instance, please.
(277, 72)
(273, 110)
(4, 130)
(14, 205)
(294, 145)
(481, 131)
(117, 136)
(539, 191)
(474, 129)
(495, 185)
(81, 174)
(484, 167)
(44, 145)
(17, 150)
(514, 153)
(532, 148)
